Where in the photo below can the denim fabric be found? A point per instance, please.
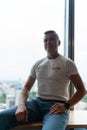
(80, 129)
(77, 129)
(55, 122)
(38, 111)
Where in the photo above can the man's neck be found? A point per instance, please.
(52, 56)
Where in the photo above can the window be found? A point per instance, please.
(22, 24)
(81, 45)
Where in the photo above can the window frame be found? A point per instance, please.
(69, 35)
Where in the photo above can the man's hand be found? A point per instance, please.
(21, 113)
(57, 108)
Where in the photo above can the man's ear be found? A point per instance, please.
(59, 42)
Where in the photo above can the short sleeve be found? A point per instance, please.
(32, 72)
(71, 68)
(33, 69)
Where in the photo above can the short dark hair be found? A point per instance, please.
(51, 31)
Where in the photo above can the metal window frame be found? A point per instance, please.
(69, 34)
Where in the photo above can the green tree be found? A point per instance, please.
(84, 99)
(32, 94)
(3, 98)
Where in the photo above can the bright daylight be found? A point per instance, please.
(22, 24)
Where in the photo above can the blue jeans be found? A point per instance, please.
(78, 129)
(38, 111)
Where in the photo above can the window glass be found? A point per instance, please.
(22, 24)
(81, 45)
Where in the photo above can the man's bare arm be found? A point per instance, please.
(77, 96)
(80, 89)
(21, 112)
(24, 93)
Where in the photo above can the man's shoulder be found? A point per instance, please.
(63, 58)
(39, 61)
(67, 59)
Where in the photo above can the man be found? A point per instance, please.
(53, 74)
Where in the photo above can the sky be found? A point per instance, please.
(22, 24)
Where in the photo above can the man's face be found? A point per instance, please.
(51, 42)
